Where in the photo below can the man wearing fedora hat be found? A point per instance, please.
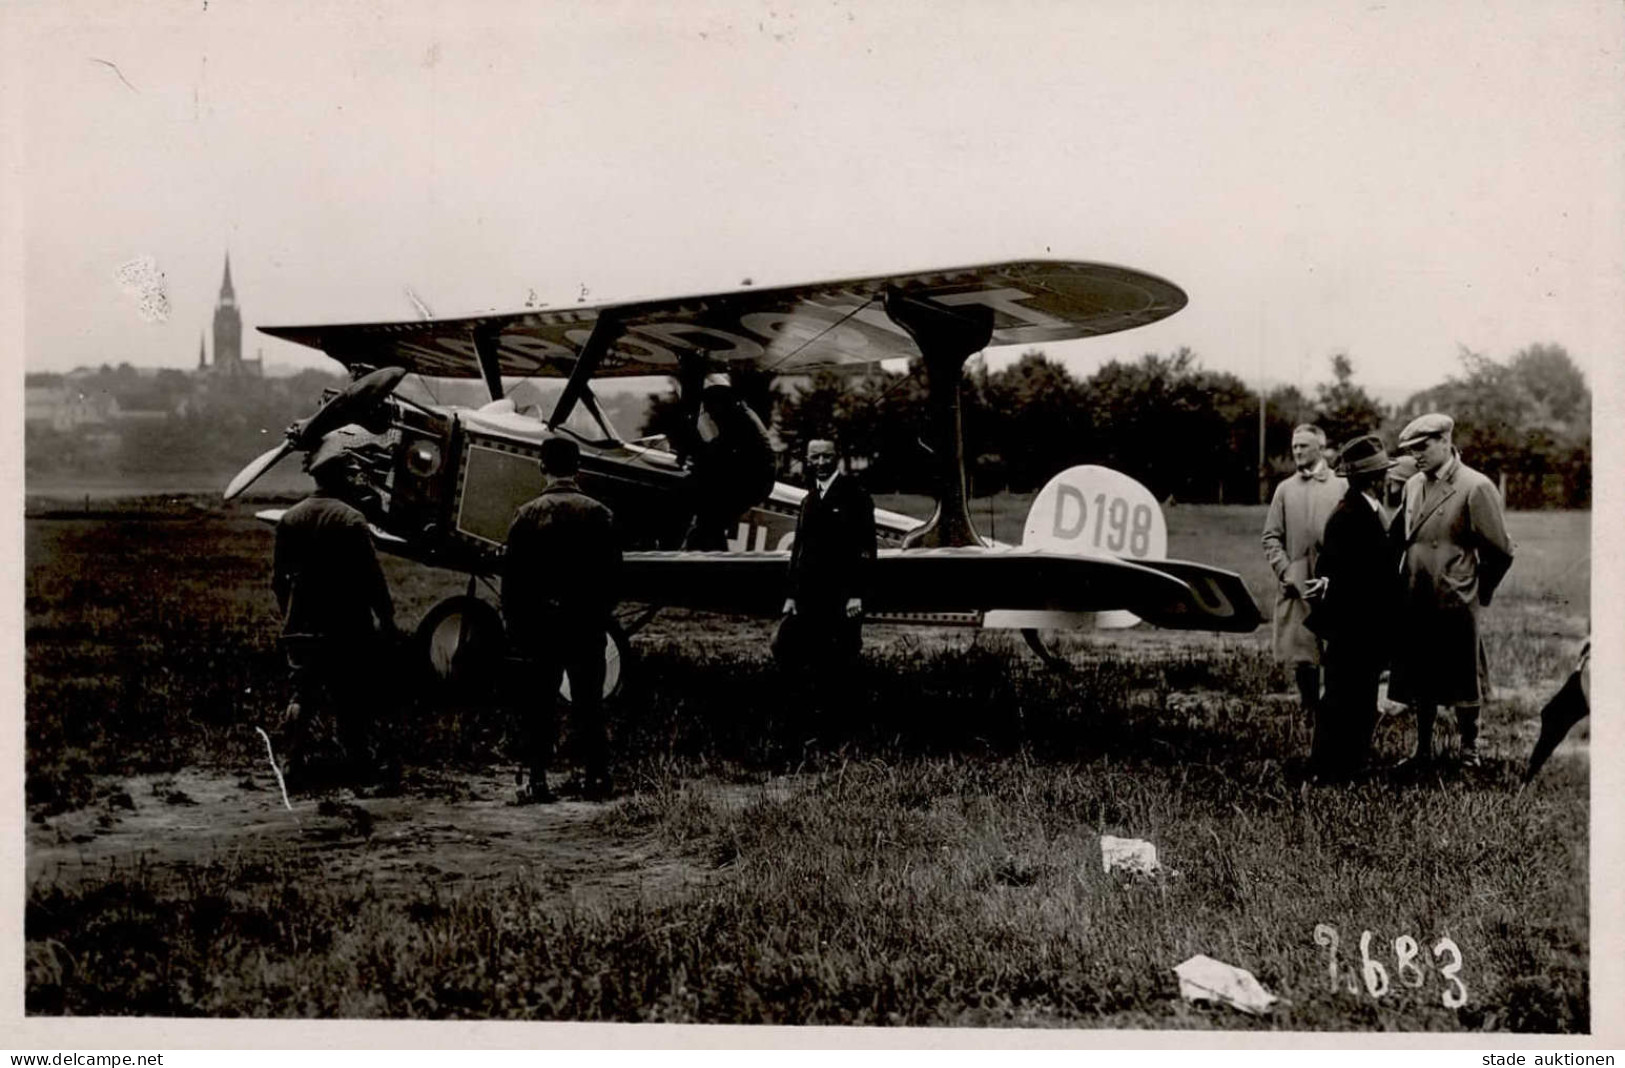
(560, 575)
(1353, 611)
(1456, 551)
(1292, 532)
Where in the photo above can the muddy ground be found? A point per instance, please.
(459, 829)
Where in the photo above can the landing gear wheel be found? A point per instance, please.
(463, 643)
(617, 662)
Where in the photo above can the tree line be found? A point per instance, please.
(1187, 432)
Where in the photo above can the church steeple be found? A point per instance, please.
(228, 328)
(228, 295)
(202, 364)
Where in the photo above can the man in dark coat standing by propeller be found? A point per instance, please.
(1353, 602)
(337, 611)
(560, 581)
(830, 560)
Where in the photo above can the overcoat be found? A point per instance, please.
(563, 562)
(1360, 564)
(1292, 532)
(325, 573)
(1354, 615)
(1456, 551)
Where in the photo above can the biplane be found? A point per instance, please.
(447, 478)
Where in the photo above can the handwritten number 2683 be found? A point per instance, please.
(1375, 975)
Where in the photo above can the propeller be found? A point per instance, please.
(257, 467)
(345, 407)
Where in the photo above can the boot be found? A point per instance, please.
(1467, 728)
(1422, 759)
(1307, 676)
(535, 791)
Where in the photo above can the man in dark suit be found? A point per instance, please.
(561, 571)
(829, 565)
(1354, 597)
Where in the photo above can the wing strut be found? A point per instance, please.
(947, 337)
(488, 347)
(604, 333)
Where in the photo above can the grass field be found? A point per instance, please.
(918, 844)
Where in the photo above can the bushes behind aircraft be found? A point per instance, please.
(1187, 432)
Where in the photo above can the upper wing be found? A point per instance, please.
(1174, 594)
(789, 330)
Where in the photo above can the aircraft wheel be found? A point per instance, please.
(463, 642)
(617, 662)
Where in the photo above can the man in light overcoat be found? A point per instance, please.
(1292, 536)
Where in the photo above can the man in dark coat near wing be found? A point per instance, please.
(1356, 595)
(830, 561)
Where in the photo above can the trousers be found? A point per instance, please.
(534, 674)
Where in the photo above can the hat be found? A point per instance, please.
(560, 456)
(1431, 425)
(1363, 455)
(1403, 469)
(337, 445)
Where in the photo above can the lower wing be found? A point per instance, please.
(1174, 594)
(1168, 593)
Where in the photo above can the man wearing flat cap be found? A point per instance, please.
(1354, 611)
(336, 613)
(560, 579)
(1456, 551)
(1292, 533)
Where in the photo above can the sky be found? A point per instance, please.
(1390, 181)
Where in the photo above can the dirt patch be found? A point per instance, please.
(461, 829)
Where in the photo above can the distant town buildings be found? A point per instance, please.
(90, 397)
(65, 407)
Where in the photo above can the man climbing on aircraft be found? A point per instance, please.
(559, 587)
(336, 612)
(830, 557)
(731, 464)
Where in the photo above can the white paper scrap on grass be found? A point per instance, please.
(1204, 979)
(1134, 855)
